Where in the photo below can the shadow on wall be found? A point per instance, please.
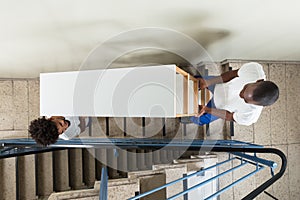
(145, 51)
(156, 45)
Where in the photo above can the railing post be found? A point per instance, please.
(104, 184)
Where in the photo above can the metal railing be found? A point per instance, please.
(19, 147)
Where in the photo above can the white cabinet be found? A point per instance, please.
(153, 91)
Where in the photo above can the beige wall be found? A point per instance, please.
(19, 104)
(277, 127)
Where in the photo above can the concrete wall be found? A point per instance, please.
(19, 104)
(277, 127)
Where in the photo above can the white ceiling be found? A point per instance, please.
(46, 35)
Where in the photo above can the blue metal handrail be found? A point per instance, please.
(235, 183)
(104, 184)
(28, 146)
(180, 179)
(243, 163)
(207, 181)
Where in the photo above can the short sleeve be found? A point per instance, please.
(249, 117)
(73, 130)
(252, 71)
(242, 119)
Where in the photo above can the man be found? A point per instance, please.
(46, 131)
(238, 95)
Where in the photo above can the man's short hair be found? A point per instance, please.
(43, 131)
(266, 93)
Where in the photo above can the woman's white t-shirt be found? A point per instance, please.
(73, 130)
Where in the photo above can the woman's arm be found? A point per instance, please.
(82, 125)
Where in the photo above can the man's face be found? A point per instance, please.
(247, 92)
(60, 123)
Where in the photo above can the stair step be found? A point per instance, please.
(98, 127)
(123, 162)
(8, 181)
(89, 167)
(116, 127)
(120, 188)
(134, 127)
(44, 174)
(141, 162)
(112, 163)
(173, 172)
(149, 158)
(27, 177)
(154, 128)
(174, 128)
(192, 164)
(117, 189)
(132, 160)
(61, 170)
(101, 160)
(76, 169)
(149, 180)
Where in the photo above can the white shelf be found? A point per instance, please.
(154, 91)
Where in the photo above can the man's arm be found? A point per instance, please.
(82, 124)
(223, 114)
(223, 78)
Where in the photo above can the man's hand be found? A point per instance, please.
(202, 110)
(202, 83)
(223, 114)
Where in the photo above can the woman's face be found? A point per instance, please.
(60, 123)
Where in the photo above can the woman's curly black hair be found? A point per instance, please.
(43, 131)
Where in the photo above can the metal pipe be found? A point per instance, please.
(272, 180)
(178, 180)
(234, 183)
(206, 181)
(256, 159)
(7, 149)
(193, 145)
(27, 151)
(129, 143)
(104, 184)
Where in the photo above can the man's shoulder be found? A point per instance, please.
(252, 71)
(248, 115)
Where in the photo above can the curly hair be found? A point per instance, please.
(266, 93)
(43, 131)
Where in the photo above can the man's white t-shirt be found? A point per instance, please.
(73, 130)
(226, 95)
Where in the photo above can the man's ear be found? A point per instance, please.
(260, 80)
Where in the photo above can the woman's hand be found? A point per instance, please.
(82, 124)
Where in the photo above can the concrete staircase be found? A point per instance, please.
(142, 181)
(39, 176)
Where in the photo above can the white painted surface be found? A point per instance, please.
(207, 189)
(179, 92)
(134, 92)
(50, 35)
(191, 96)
